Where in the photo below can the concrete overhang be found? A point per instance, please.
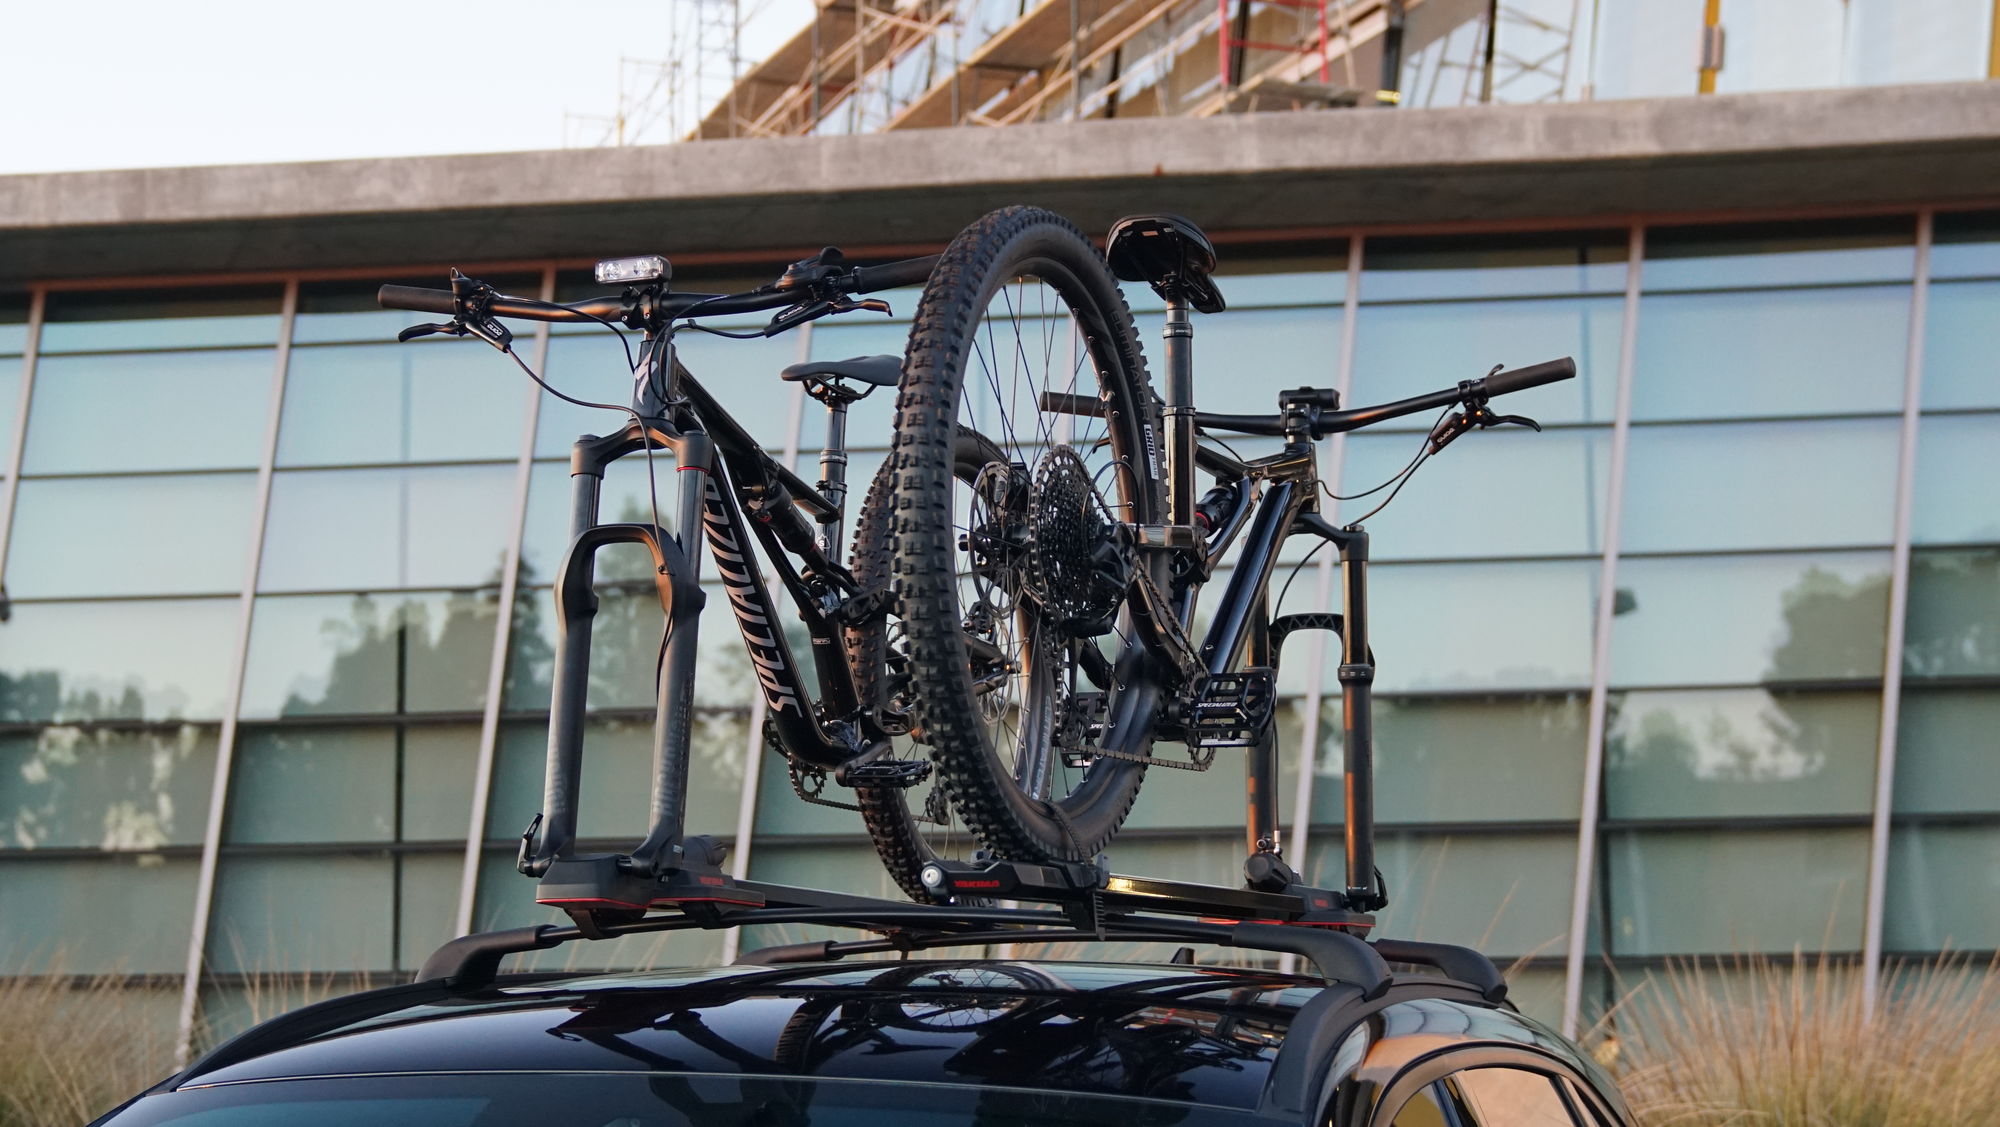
(1485, 166)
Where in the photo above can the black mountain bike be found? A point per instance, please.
(1012, 635)
(754, 513)
(1045, 603)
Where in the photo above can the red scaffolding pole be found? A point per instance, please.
(1225, 42)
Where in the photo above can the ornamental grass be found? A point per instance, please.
(1790, 1042)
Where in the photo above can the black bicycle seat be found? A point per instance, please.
(1169, 253)
(882, 371)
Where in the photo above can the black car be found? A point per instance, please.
(882, 1043)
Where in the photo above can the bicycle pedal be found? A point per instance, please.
(899, 773)
(1232, 709)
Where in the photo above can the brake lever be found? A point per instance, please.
(1474, 415)
(449, 328)
(822, 307)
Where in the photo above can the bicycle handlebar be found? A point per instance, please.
(1336, 422)
(862, 279)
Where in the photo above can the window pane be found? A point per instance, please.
(53, 912)
(1744, 619)
(1954, 614)
(340, 654)
(13, 325)
(1761, 485)
(1504, 894)
(107, 320)
(306, 784)
(617, 777)
(1771, 352)
(1244, 358)
(284, 915)
(84, 788)
(1532, 629)
(1740, 752)
(1966, 244)
(438, 764)
(1511, 1097)
(1405, 269)
(198, 410)
(1675, 893)
(1958, 494)
(1404, 350)
(1942, 887)
(139, 660)
(1781, 254)
(1944, 752)
(1959, 365)
(400, 403)
(353, 529)
(183, 534)
(1465, 759)
(1542, 494)
(11, 369)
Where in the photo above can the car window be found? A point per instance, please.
(1423, 1110)
(1510, 1097)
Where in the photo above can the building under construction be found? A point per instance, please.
(864, 66)
(868, 66)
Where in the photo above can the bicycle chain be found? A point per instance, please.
(1199, 759)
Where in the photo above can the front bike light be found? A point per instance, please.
(638, 268)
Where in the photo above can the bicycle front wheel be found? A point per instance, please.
(1026, 678)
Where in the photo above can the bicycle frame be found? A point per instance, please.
(685, 419)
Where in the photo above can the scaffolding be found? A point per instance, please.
(864, 66)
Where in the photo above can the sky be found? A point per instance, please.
(125, 84)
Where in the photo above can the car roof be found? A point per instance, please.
(1204, 1035)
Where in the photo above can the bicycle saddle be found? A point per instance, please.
(882, 371)
(1169, 253)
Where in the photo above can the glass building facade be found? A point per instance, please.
(1710, 666)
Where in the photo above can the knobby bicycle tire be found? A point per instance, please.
(955, 333)
(880, 682)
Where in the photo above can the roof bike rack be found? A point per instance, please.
(681, 877)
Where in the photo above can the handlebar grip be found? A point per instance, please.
(416, 298)
(1534, 375)
(890, 275)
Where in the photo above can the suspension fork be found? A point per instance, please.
(677, 582)
(1357, 724)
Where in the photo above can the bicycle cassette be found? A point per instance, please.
(1077, 565)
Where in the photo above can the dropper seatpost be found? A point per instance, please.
(1179, 339)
